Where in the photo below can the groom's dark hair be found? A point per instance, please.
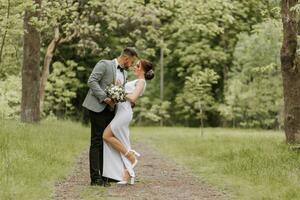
(129, 51)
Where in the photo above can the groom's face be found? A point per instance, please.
(128, 62)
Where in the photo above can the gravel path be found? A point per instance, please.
(158, 178)
(70, 188)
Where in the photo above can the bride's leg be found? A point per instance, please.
(126, 175)
(127, 179)
(109, 137)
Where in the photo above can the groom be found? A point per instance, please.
(101, 108)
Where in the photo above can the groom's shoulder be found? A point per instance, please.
(105, 62)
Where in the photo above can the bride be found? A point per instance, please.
(119, 159)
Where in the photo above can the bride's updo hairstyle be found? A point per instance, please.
(148, 69)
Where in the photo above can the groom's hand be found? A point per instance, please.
(109, 102)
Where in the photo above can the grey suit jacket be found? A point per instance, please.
(103, 75)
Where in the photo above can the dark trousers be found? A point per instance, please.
(99, 121)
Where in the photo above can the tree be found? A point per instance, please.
(60, 25)
(196, 98)
(197, 35)
(253, 92)
(151, 111)
(61, 88)
(6, 29)
(30, 104)
(11, 35)
(203, 35)
(290, 68)
(10, 99)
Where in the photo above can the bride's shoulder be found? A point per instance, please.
(137, 81)
(140, 81)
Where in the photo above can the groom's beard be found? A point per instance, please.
(125, 67)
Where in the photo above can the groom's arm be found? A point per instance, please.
(93, 81)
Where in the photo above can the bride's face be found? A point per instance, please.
(138, 70)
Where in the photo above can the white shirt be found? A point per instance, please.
(120, 76)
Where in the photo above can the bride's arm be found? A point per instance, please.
(137, 92)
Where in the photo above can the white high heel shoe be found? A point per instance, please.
(136, 160)
(136, 154)
(130, 182)
(135, 163)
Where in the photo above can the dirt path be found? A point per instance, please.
(158, 178)
(70, 188)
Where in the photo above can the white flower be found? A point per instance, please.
(116, 92)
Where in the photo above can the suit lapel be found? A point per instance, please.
(125, 77)
(114, 72)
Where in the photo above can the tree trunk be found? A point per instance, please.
(162, 78)
(6, 30)
(30, 105)
(47, 61)
(290, 68)
(201, 118)
(57, 40)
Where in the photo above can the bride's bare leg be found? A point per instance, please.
(126, 175)
(109, 137)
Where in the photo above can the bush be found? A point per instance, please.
(61, 89)
(10, 97)
(148, 111)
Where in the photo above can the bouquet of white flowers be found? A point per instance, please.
(116, 93)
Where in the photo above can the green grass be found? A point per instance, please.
(34, 157)
(91, 193)
(247, 164)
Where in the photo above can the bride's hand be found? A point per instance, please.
(118, 82)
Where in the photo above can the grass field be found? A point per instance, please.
(34, 157)
(247, 164)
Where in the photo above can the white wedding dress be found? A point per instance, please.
(114, 163)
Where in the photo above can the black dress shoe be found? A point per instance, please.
(106, 183)
(97, 182)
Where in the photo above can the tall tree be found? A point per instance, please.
(290, 68)
(6, 29)
(60, 25)
(11, 36)
(30, 105)
(253, 92)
